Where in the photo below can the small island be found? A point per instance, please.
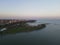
(16, 26)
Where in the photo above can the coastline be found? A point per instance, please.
(20, 27)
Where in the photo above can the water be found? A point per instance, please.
(47, 36)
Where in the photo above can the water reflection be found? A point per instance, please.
(20, 38)
(49, 35)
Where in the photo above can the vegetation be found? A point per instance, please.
(20, 27)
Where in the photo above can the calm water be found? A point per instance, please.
(47, 36)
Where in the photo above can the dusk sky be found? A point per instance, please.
(29, 8)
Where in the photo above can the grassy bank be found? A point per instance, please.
(26, 28)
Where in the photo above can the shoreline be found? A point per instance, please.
(23, 29)
(20, 27)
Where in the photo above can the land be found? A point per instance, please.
(19, 26)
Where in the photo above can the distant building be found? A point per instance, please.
(8, 21)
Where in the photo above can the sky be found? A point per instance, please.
(29, 9)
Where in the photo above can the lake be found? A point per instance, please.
(50, 35)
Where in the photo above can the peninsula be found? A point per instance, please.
(15, 26)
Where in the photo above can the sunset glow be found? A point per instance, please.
(29, 8)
